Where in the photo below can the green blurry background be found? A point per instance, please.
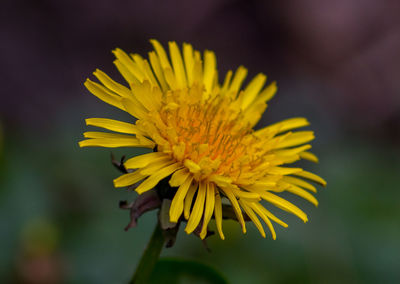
(335, 63)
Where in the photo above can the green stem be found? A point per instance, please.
(149, 257)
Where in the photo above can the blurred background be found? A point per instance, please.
(336, 63)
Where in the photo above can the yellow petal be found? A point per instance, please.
(104, 94)
(302, 193)
(145, 141)
(128, 76)
(299, 182)
(210, 65)
(311, 176)
(218, 214)
(237, 81)
(209, 209)
(295, 139)
(232, 198)
(178, 201)
(267, 94)
(112, 85)
(153, 180)
(309, 156)
(129, 64)
(257, 208)
(192, 166)
(170, 78)
(292, 151)
(134, 108)
(197, 70)
(158, 71)
(253, 89)
(179, 177)
(284, 205)
(141, 161)
(113, 143)
(227, 82)
(253, 113)
(162, 55)
(177, 64)
(253, 217)
(283, 170)
(272, 216)
(149, 74)
(106, 135)
(156, 165)
(128, 179)
(113, 125)
(259, 186)
(241, 194)
(189, 199)
(144, 93)
(198, 208)
(179, 151)
(284, 125)
(189, 62)
(221, 181)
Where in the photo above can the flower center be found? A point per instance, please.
(210, 136)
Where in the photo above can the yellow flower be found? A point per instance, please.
(203, 138)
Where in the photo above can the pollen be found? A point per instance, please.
(209, 136)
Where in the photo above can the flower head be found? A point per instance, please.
(203, 138)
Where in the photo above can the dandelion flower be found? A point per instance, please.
(202, 137)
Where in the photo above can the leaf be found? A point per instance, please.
(174, 271)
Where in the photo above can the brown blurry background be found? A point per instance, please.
(336, 63)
